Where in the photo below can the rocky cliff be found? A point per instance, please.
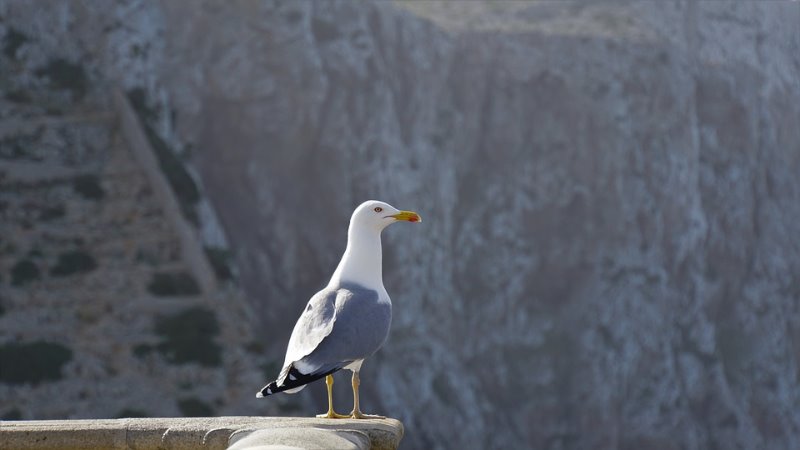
(610, 192)
(101, 314)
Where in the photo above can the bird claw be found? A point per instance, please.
(333, 415)
(360, 415)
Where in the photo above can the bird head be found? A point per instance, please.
(378, 215)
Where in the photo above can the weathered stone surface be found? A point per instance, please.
(610, 192)
(289, 438)
(202, 432)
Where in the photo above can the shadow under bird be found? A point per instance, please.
(349, 319)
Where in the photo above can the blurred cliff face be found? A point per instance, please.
(609, 256)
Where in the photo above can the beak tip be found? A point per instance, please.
(408, 216)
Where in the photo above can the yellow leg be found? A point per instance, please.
(357, 414)
(331, 414)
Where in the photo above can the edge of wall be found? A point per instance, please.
(199, 432)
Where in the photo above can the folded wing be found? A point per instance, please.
(337, 327)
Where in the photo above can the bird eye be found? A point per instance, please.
(378, 209)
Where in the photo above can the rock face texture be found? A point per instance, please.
(100, 317)
(609, 257)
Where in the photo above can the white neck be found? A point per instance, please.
(362, 260)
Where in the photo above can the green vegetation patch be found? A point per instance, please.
(66, 75)
(72, 262)
(180, 180)
(188, 337)
(12, 41)
(142, 350)
(19, 145)
(324, 31)
(12, 414)
(735, 349)
(172, 167)
(166, 284)
(18, 96)
(88, 187)
(127, 413)
(138, 99)
(192, 407)
(24, 272)
(32, 362)
(52, 213)
(254, 347)
(444, 390)
(220, 261)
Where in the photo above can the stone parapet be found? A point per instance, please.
(237, 433)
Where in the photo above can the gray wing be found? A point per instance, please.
(314, 324)
(360, 328)
(338, 326)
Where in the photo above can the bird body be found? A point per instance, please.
(349, 319)
(339, 326)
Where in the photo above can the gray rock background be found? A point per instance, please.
(609, 257)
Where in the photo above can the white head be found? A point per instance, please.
(361, 262)
(378, 215)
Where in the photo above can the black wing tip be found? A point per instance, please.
(268, 390)
(293, 380)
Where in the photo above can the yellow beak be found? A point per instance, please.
(409, 216)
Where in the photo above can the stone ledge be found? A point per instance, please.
(202, 432)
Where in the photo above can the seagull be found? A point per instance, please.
(349, 319)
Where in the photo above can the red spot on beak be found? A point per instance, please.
(413, 219)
